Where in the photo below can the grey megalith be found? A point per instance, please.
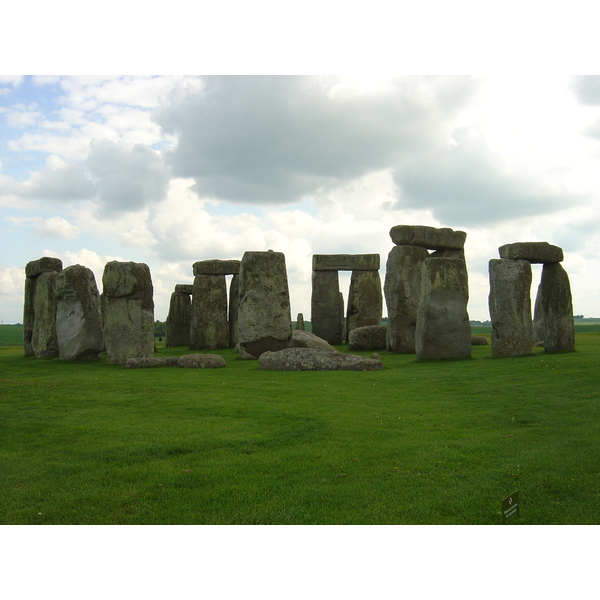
(179, 318)
(365, 300)
(209, 327)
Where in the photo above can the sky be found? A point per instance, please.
(170, 170)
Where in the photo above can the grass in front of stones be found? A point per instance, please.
(439, 442)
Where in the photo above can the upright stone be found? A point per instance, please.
(209, 327)
(265, 322)
(128, 311)
(402, 295)
(234, 304)
(443, 329)
(78, 315)
(300, 322)
(327, 312)
(179, 318)
(365, 300)
(43, 340)
(555, 304)
(510, 307)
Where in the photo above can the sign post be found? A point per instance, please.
(510, 507)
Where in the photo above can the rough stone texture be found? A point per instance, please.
(372, 337)
(264, 317)
(216, 267)
(78, 315)
(209, 327)
(443, 329)
(345, 262)
(234, 303)
(44, 341)
(402, 289)
(201, 361)
(33, 270)
(556, 309)
(179, 320)
(128, 311)
(46, 264)
(479, 340)
(326, 314)
(428, 237)
(510, 307)
(184, 288)
(365, 300)
(539, 319)
(534, 252)
(305, 339)
(151, 362)
(300, 322)
(311, 359)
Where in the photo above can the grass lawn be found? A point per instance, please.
(439, 442)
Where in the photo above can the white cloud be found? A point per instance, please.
(56, 227)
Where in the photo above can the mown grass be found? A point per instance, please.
(438, 442)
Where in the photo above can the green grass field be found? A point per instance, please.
(439, 442)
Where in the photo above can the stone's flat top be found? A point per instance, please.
(431, 238)
(216, 266)
(184, 288)
(346, 262)
(534, 252)
(46, 264)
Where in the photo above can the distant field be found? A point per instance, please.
(11, 335)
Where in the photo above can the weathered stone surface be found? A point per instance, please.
(128, 311)
(300, 322)
(443, 329)
(510, 307)
(44, 341)
(201, 361)
(311, 359)
(345, 262)
(179, 320)
(555, 307)
(150, 362)
(216, 267)
(184, 288)
(264, 318)
(305, 339)
(46, 264)
(78, 316)
(428, 237)
(234, 303)
(326, 313)
(534, 252)
(478, 340)
(402, 289)
(365, 300)
(372, 337)
(209, 327)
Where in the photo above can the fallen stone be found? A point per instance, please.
(151, 362)
(534, 252)
(478, 340)
(306, 339)
(428, 237)
(201, 361)
(371, 337)
(345, 262)
(311, 359)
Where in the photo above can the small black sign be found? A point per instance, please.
(510, 507)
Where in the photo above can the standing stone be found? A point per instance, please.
(234, 303)
(179, 319)
(510, 307)
(264, 316)
(128, 311)
(365, 300)
(209, 327)
(300, 322)
(43, 340)
(33, 270)
(539, 319)
(402, 295)
(443, 329)
(326, 313)
(78, 315)
(555, 307)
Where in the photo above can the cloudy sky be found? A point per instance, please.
(169, 170)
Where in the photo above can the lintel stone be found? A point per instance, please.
(216, 267)
(431, 238)
(184, 288)
(345, 262)
(46, 264)
(534, 252)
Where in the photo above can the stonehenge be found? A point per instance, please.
(179, 319)
(513, 331)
